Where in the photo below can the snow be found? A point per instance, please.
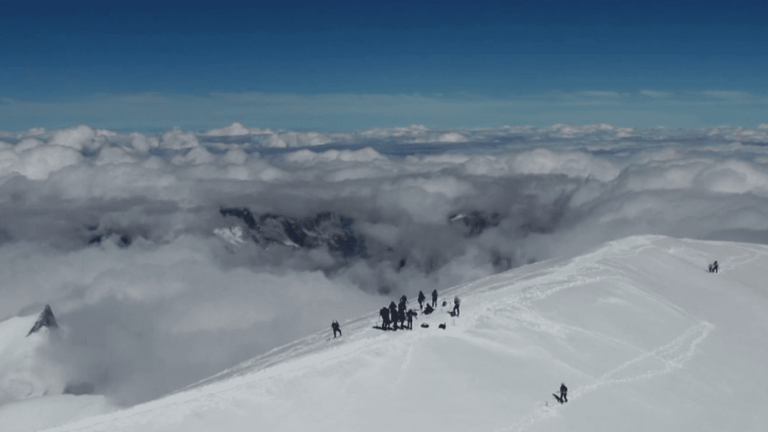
(45, 412)
(31, 385)
(232, 235)
(644, 337)
(22, 374)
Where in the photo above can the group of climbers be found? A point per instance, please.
(393, 314)
(399, 317)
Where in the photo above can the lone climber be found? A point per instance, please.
(456, 303)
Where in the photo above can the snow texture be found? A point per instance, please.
(644, 337)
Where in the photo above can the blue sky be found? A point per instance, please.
(144, 65)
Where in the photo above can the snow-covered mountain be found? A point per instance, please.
(324, 229)
(33, 391)
(643, 335)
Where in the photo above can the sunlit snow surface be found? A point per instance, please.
(645, 338)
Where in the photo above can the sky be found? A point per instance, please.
(345, 65)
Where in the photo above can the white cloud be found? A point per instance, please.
(235, 129)
(296, 139)
(410, 131)
(178, 140)
(39, 162)
(142, 143)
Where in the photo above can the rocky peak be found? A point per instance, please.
(46, 319)
(326, 228)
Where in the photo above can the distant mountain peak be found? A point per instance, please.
(46, 319)
(323, 229)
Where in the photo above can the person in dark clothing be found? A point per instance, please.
(421, 300)
(410, 314)
(710, 268)
(434, 299)
(404, 300)
(428, 310)
(384, 312)
(563, 393)
(456, 303)
(393, 315)
(715, 267)
(336, 328)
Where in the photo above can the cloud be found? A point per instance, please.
(235, 129)
(123, 232)
(178, 140)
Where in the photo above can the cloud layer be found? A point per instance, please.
(156, 287)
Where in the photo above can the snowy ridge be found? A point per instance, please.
(644, 337)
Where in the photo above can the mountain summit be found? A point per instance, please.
(46, 319)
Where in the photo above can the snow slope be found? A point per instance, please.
(31, 385)
(645, 338)
(22, 374)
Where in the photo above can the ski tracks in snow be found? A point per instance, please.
(659, 361)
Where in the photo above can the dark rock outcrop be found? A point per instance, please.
(473, 223)
(329, 229)
(46, 319)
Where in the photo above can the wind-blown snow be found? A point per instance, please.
(644, 337)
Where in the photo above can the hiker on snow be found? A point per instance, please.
(421, 300)
(428, 310)
(336, 328)
(384, 312)
(563, 393)
(401, 311)
(456, 303)
(434, 299)
(410, 314)
(393, 314)
(715, 267)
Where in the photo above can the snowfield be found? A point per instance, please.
(644, 337)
